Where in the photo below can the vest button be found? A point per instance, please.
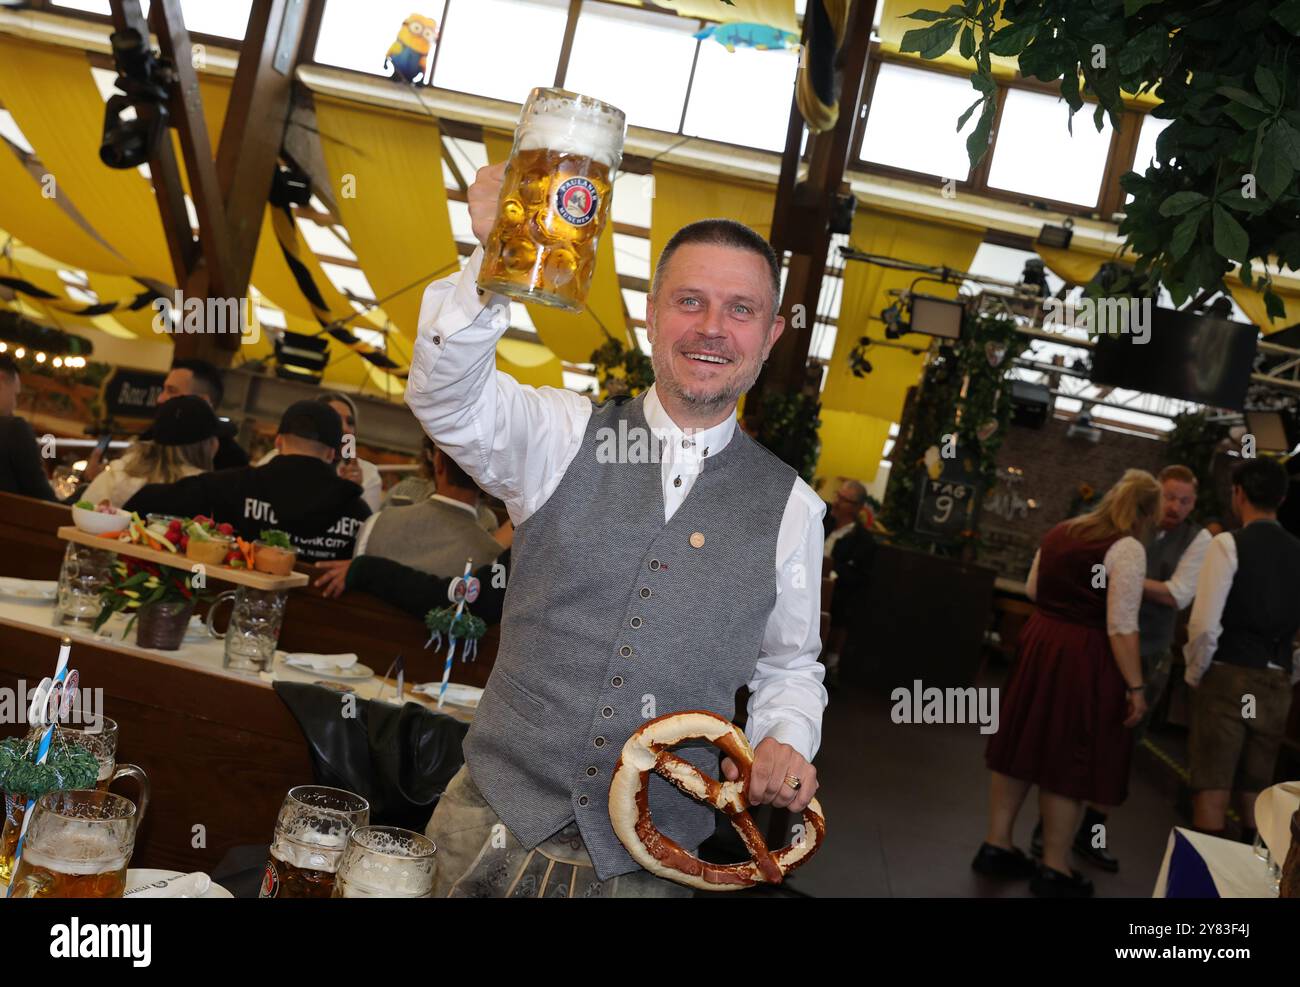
(591, 771)
(677, 481)
(645, 592)
(607, 712)
(635, 621)
(617, 681)
(600, 741)
(654, 564)
(625, 651)
(583, 800)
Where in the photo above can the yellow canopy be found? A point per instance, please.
(529, 363)
(851, 444)
(866, 293)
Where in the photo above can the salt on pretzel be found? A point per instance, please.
(647, 750)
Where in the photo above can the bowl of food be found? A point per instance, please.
(99, 519)
(207, 542)
(274, 554)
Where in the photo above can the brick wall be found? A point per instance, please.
(1053, 466)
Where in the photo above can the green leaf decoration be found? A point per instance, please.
(1230, 237)
(67, 766)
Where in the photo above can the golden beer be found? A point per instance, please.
(92, 868)
(78, 845)
(555, 200)
(311, 833)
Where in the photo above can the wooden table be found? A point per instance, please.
(220, 747)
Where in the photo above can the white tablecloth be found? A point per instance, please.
(1200, 866)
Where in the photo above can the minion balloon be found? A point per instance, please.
(410, 51)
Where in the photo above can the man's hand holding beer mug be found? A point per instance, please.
(539, 216)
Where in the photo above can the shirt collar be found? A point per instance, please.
(454, 503)
(713, 439)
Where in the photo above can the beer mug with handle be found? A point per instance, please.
(254, 630)
(386, 862)
(99, 736)
(555, 200)
(310, 835)
(77, 846)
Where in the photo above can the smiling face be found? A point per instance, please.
(712, 322)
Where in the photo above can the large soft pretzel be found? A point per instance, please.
(647, 750)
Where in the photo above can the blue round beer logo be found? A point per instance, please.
(576, 201)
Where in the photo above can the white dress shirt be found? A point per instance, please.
(517, 442)
(1205, 625)
(1182, 584)
(1126, 568)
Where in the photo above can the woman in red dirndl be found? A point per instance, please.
(1076, 690)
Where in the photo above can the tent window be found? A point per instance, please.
(500, 50)
(1036, 155)
(742, 97)
(910, 123)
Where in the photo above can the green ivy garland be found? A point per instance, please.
(67, 766)
(789, 429)
(621, 370)
(466, 627)
(986, 351)
(1192, 443)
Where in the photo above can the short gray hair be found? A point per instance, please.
(722, 233)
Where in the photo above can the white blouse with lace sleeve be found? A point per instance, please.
(1126, 568)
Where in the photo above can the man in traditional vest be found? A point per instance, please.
(1174, 560)
(662, 559)
(1241, 651)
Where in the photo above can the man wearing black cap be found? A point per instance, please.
(201, 378)
(297, 492)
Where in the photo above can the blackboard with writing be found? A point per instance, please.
(946, 505)
(132, 393)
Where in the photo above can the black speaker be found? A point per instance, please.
(1031, 404)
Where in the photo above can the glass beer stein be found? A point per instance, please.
(100, 738)
(254, 629)
(77, 846)
(310, 836)
(555, 200)
(386, 862)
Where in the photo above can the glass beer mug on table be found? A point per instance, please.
(77, 846)
(254, 628)
(85, 574)
(555, 200)
(386, 862)
(310, 836)
(99, 737)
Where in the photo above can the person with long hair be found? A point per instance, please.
(181, 442)
(1076, 690)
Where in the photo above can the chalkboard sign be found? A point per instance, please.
(946, 505)
(132, 393)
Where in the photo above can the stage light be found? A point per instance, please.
(1057, 236)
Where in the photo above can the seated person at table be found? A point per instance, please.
(421, 486)
(414, 591)
(20, 461)
(181, 442)
(360, 471)
(297, 492)
(200, 378)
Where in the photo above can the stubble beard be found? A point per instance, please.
(705, 401)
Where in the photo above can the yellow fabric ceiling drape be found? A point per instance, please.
(681, 198)
(575, 336)
(393, 204)
(851, 444)
(529, 363)
(1079, 267)
(42, 223)
(57, 106)
(866, 286)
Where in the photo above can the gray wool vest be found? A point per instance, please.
(1156, 622)
(613, 617)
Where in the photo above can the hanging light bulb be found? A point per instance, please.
(19, 353)
(40, 357)
(3, 347)
(57, 362)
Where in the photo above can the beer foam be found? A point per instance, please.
(571, 127)
(78, 856)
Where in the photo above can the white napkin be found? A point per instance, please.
(193, 885)
(457, 695)
(34, 589)
(320, 663)
(1273, 811)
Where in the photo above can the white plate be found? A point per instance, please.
(349, 674)
(29, 589)
(141, 877)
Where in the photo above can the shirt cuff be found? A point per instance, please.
(791, 733)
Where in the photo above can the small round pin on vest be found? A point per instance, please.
(697, 540)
